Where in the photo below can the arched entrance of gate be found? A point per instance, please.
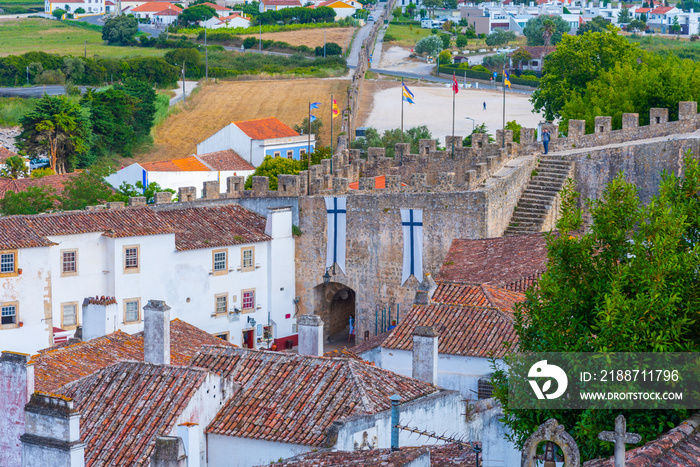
(335, 302)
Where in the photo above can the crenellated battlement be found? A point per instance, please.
(456, 168)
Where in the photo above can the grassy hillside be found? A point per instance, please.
(19, 36)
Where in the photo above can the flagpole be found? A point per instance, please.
(454, 95)
(503, 134)
(331, 133)
(308, 157)
(402, 110)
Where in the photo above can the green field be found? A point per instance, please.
(20, 6)
(666, 45)
(35, 34)
(406, 36)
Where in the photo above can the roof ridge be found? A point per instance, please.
(362, 394)
(205, 164)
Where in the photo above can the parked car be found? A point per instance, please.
(38, 163)
(370, 18)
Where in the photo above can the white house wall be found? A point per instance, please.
(130, 174)
(219, 141)
(454, 372)
(441, 413)
(181, 278)
(227, 451)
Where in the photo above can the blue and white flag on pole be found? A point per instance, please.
(336, 210)
(412, 222)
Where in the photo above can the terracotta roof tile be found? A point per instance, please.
(199, 227)
(463, 330)
(60, 365)
(209, 227)
(282, 2)
(293, 398)
(187, 164)
(270, 127)
(375, 457)
(371, 343)
(502, 262)
(5, 153)
(342, 353)
(679, 447)
(476, 295)
(152, 7)
(125, 406)
(662, 10)
(536, 51)
(225, 160)
(21, 184)
(217, 7)
(169, 12)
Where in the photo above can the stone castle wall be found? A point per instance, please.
(469, 195)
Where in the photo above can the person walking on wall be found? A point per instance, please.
(545, 140)
(484, 105)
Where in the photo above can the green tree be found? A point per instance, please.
(431, 45)
(15, 167)
(624, 17)
(629, 284)
(461, 41)
(636, 86)
(58, 127)
(446, 40)
(521, 56)
(145, 107)
(120, 29)
(58, 13)
(577, 61)
(272, 167)
(79, 11)
(112, 116)
(126, 191)
(390, 138)
(449, 4)
(516, 127)
(431, 5)
(675, 27)
(86, 189)
(445, 57)
(500, 37)
(41, 172)
(478, 129)
(34, 200)
(637, 24)
(544, 27)
(190, 57)
(194, 14)
(597, 24)
(316, 125)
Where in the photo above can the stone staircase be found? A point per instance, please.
(539, 196)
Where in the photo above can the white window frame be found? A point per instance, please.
(214, 261)
(7, 305)
(127, 301)
(132, 269)
(74, 272)
(65, 325)
(251, 308)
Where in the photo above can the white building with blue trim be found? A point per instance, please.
(255, 139)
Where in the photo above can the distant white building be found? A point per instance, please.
(221, 268)
(236, 20)
(188, 171)
(94, 7)
(342, 8)
(275, 5)
(256, 139)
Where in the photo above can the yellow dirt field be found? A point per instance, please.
(311, 37)
(216, 105)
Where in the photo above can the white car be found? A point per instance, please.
(38, 163)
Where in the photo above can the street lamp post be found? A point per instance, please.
(469, 118)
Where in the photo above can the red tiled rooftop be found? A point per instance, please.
(293, 398)
(371, 343)
(225, 160)
(153, 7)
(200, 227)
(536, 51)
(186, 164)
(5, 153)
(58, 366)
(642, 10)
(168, 12)
(282, 2)
(662, 10)
(679, 447)
(270, 127)
(501, 262)
(125, 406)
(217, 7)
(449, 293)
(463, 330)
(22, 184)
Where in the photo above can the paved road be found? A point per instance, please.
(36, 91)
(189, 87)
(362, 34)
(99, 21)
(435, 79)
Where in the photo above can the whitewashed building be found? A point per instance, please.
(222, 268)
(256, 139)
(91, 7)
(236, 20)
(188, 171)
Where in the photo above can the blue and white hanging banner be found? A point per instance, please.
(336, 210)
(412, 222)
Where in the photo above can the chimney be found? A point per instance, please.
(17, 383)
(425, 291)
(310, 329)
(52, 433)
(279, 222)
(99, 317)
(425, 354)
(169, 451)
(156, 336)
(189, 433)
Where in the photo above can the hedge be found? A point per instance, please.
(486, 76)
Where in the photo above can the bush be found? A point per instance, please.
(446, 40)
(250, 42)
(479, 68)
(461, 41)
(445, 57)
(331, 49)
(58, 13)
(431, 45)
(79, 11)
